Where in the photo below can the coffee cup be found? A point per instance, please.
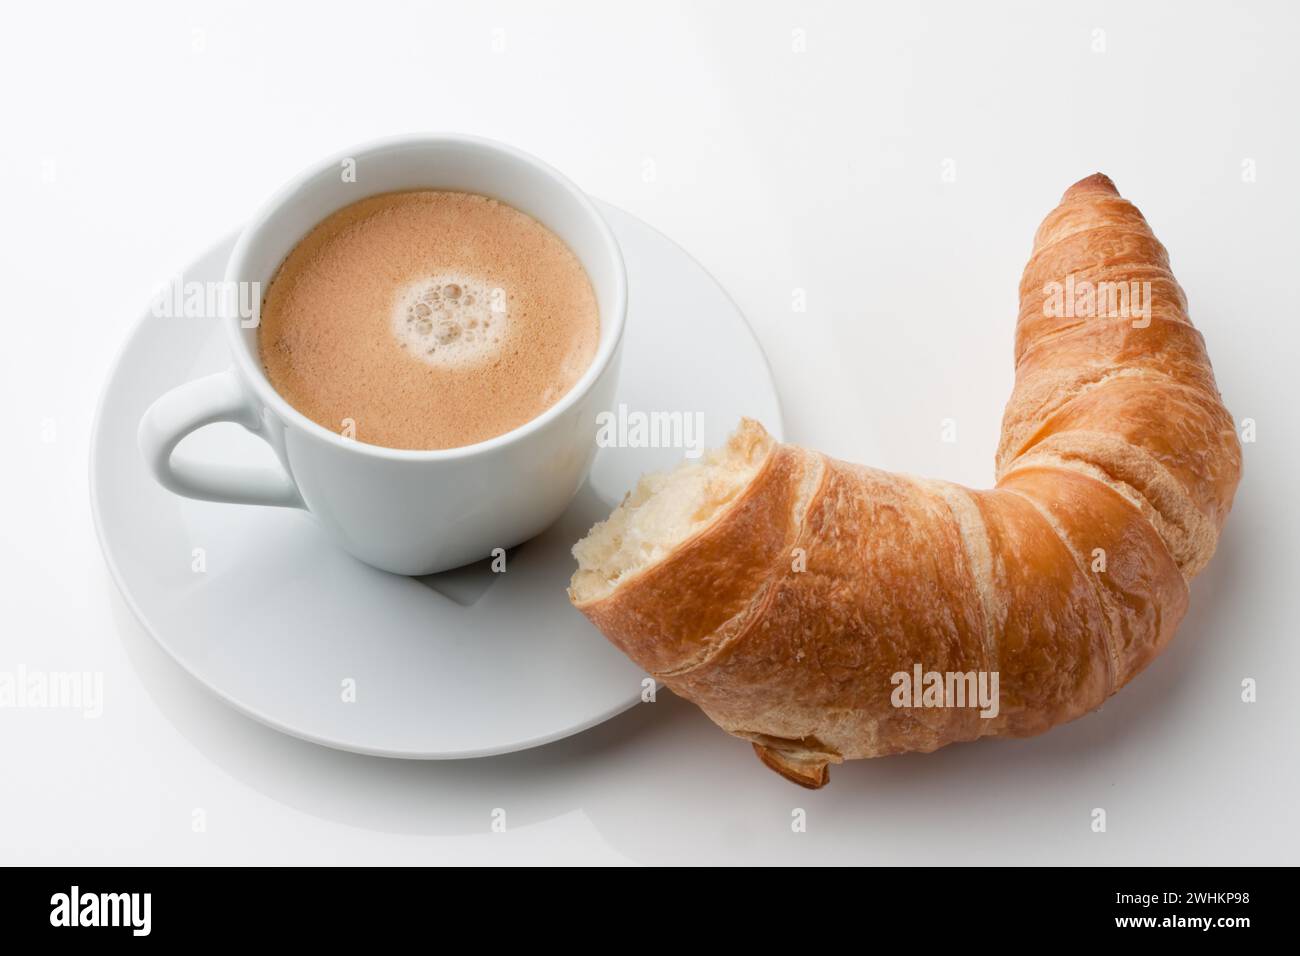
(404, 511)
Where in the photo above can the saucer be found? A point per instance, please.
(261, 609)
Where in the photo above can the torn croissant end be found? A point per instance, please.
(810, 771)
(783, 591)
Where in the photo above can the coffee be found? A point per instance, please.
(427, 319)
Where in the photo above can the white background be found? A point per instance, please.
(131, 141)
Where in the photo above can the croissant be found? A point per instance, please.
(826, 611)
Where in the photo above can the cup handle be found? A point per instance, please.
(189, 407)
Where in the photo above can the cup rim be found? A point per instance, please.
(253, 375)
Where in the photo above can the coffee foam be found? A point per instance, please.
(451, 319)
(351, 315)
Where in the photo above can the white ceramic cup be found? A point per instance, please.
(409, 512)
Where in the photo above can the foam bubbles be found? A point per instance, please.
(450, 319)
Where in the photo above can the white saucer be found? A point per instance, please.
(461, 664)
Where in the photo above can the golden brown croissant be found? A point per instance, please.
(804, 603)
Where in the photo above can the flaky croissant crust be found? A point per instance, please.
(1116, 470)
